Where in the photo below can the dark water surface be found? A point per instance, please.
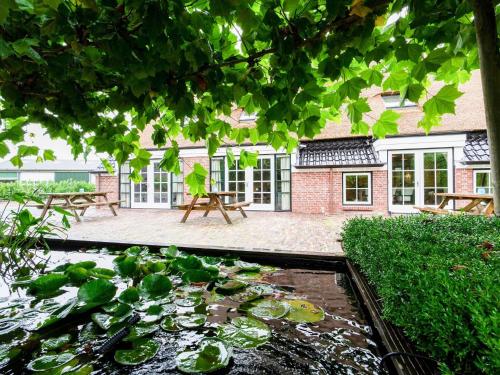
(342, 343)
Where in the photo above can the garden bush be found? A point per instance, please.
(438, 279)
(37, 188)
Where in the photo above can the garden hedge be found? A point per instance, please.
(37, 188)
(439, 279)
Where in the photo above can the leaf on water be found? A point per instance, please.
(143, 350)
(269, 309)
(155, 285)
(231, 287)
(245, 332)
(96, 292)
(8, 325)
(47, 362)
(189, 301)
(129, 295)
(304, 312)
(212, 354)
(47, 283)
(54, 343)
(191, 321)
(169, 324)
(140, 330)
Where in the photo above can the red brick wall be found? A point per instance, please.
(320, 191)
(464, 183)
(106, 182)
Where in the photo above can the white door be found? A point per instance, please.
(153, 190)
(255, 184)
(416, 176)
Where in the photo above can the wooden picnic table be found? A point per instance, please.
(215, 202)
(477, 204)
(77, 201)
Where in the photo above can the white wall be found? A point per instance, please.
(36, 176)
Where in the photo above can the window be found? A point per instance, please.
(217, 174)
(247, 116)
(125, 185)
(178, 187)
(435, 176)
(8, 177)
(141, 189)
(357, 188)
(76, 176)
(160, 181)
(482, 182)
(283, 182)
(394, 101)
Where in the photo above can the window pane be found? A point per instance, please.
(429, 160)
(409, 161)
(363, 195)
(266, 175)
(363, 181)
(409, 178)
(266, 163)
(350, 195)
(257, 175)
(409, 196)
(397, 162)
(266, 198)
(442, 178)
(442, 160)
(429, 197)
(429, 179)
(397, 179)
(257, 198)
(397, 196)
(350, 181)
(266, 186)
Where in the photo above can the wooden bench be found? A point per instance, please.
(215, 203)
(435, 211)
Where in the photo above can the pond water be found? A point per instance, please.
(341, 343)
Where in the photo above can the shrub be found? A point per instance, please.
(37, 188)
(439, 279)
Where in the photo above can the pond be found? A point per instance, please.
(249, 319)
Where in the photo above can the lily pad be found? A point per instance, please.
(142, 350)
(126, 266)
(155, 285)
(141, 330)
(252, 292)
(304, 312)
(136, 251)
(105, 321)
(191, 321)
(102, 273)
(8, 325)
(77, 275)
(54, 343)
(231, 287)
(7, 354)
(97, 292)
(212, 354)
(196, 276)
(246, 266)
(47, 284)
(169, 324)
(47, 362)
(189, 301)
(170, 252)
(245, 333)
(269, 309)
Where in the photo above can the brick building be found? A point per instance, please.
(338, 172)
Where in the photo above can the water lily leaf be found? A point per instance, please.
(248, 275)
(155, 267)
(8, 325)
(77, 275)
(137, 251)
(140, 330)
(97, 292)
(47, 362)
(7, 354)
(47, 284)
(126, 266)
(189, 301)
(191, 321)
(155, 285)
(252, 292)
(156, 312)
(79, 369)
(212, 354)
(231, 287)
(87, 264)
(169, 324)
(196, 276)
(304, 312)
(102, 273)
(269, 309)
(129, 295)
(54, 343)
(105, 321)
(190, 262)
(90, 331)
(246, 266)
(245, 333)
(170, 252)
(142, 350)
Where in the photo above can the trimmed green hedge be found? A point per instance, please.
(67, 186)
(439, 279)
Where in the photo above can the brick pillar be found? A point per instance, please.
(109, 183)
(464, 183)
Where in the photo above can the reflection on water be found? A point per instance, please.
(341, 344)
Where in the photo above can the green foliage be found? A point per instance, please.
(112, 67)
(36, 189)
(438, 280)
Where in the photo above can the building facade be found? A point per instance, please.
(337, 172)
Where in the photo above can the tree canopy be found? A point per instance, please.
(96, 72)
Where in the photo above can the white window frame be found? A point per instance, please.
(488, 171)
(397, 104)
(344, 189)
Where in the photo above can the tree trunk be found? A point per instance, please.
(489, 58)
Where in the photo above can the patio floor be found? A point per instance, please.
(264, 231)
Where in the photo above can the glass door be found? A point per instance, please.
(263, 184)
(415, 177)
(140, 191)
(153, 190)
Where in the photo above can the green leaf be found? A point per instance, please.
(443, 102)
(248, 159)
(269, 309)
(231, 286)
(212, 354)
(245, 333)
(126, 266)
(54, 343)
(191, 321)
(97, 292)
(47, 283)
(129, 295)
(4, 12)
(304, 312)
(48, 155)
(140, 330)
(170, 252)
(142, 351)
(196, 180)
(230, 157)
(356, 109)
(169, 324)
(155, 285)
(386, 124)
(352, 88)
(48, 362)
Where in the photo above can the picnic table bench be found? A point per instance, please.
(479, 204)
(215, 202)
(77, 201)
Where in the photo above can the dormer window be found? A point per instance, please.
(393, 101)
(248, 116)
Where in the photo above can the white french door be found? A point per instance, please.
(415, 176)
(255, 184)
(153, 190)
